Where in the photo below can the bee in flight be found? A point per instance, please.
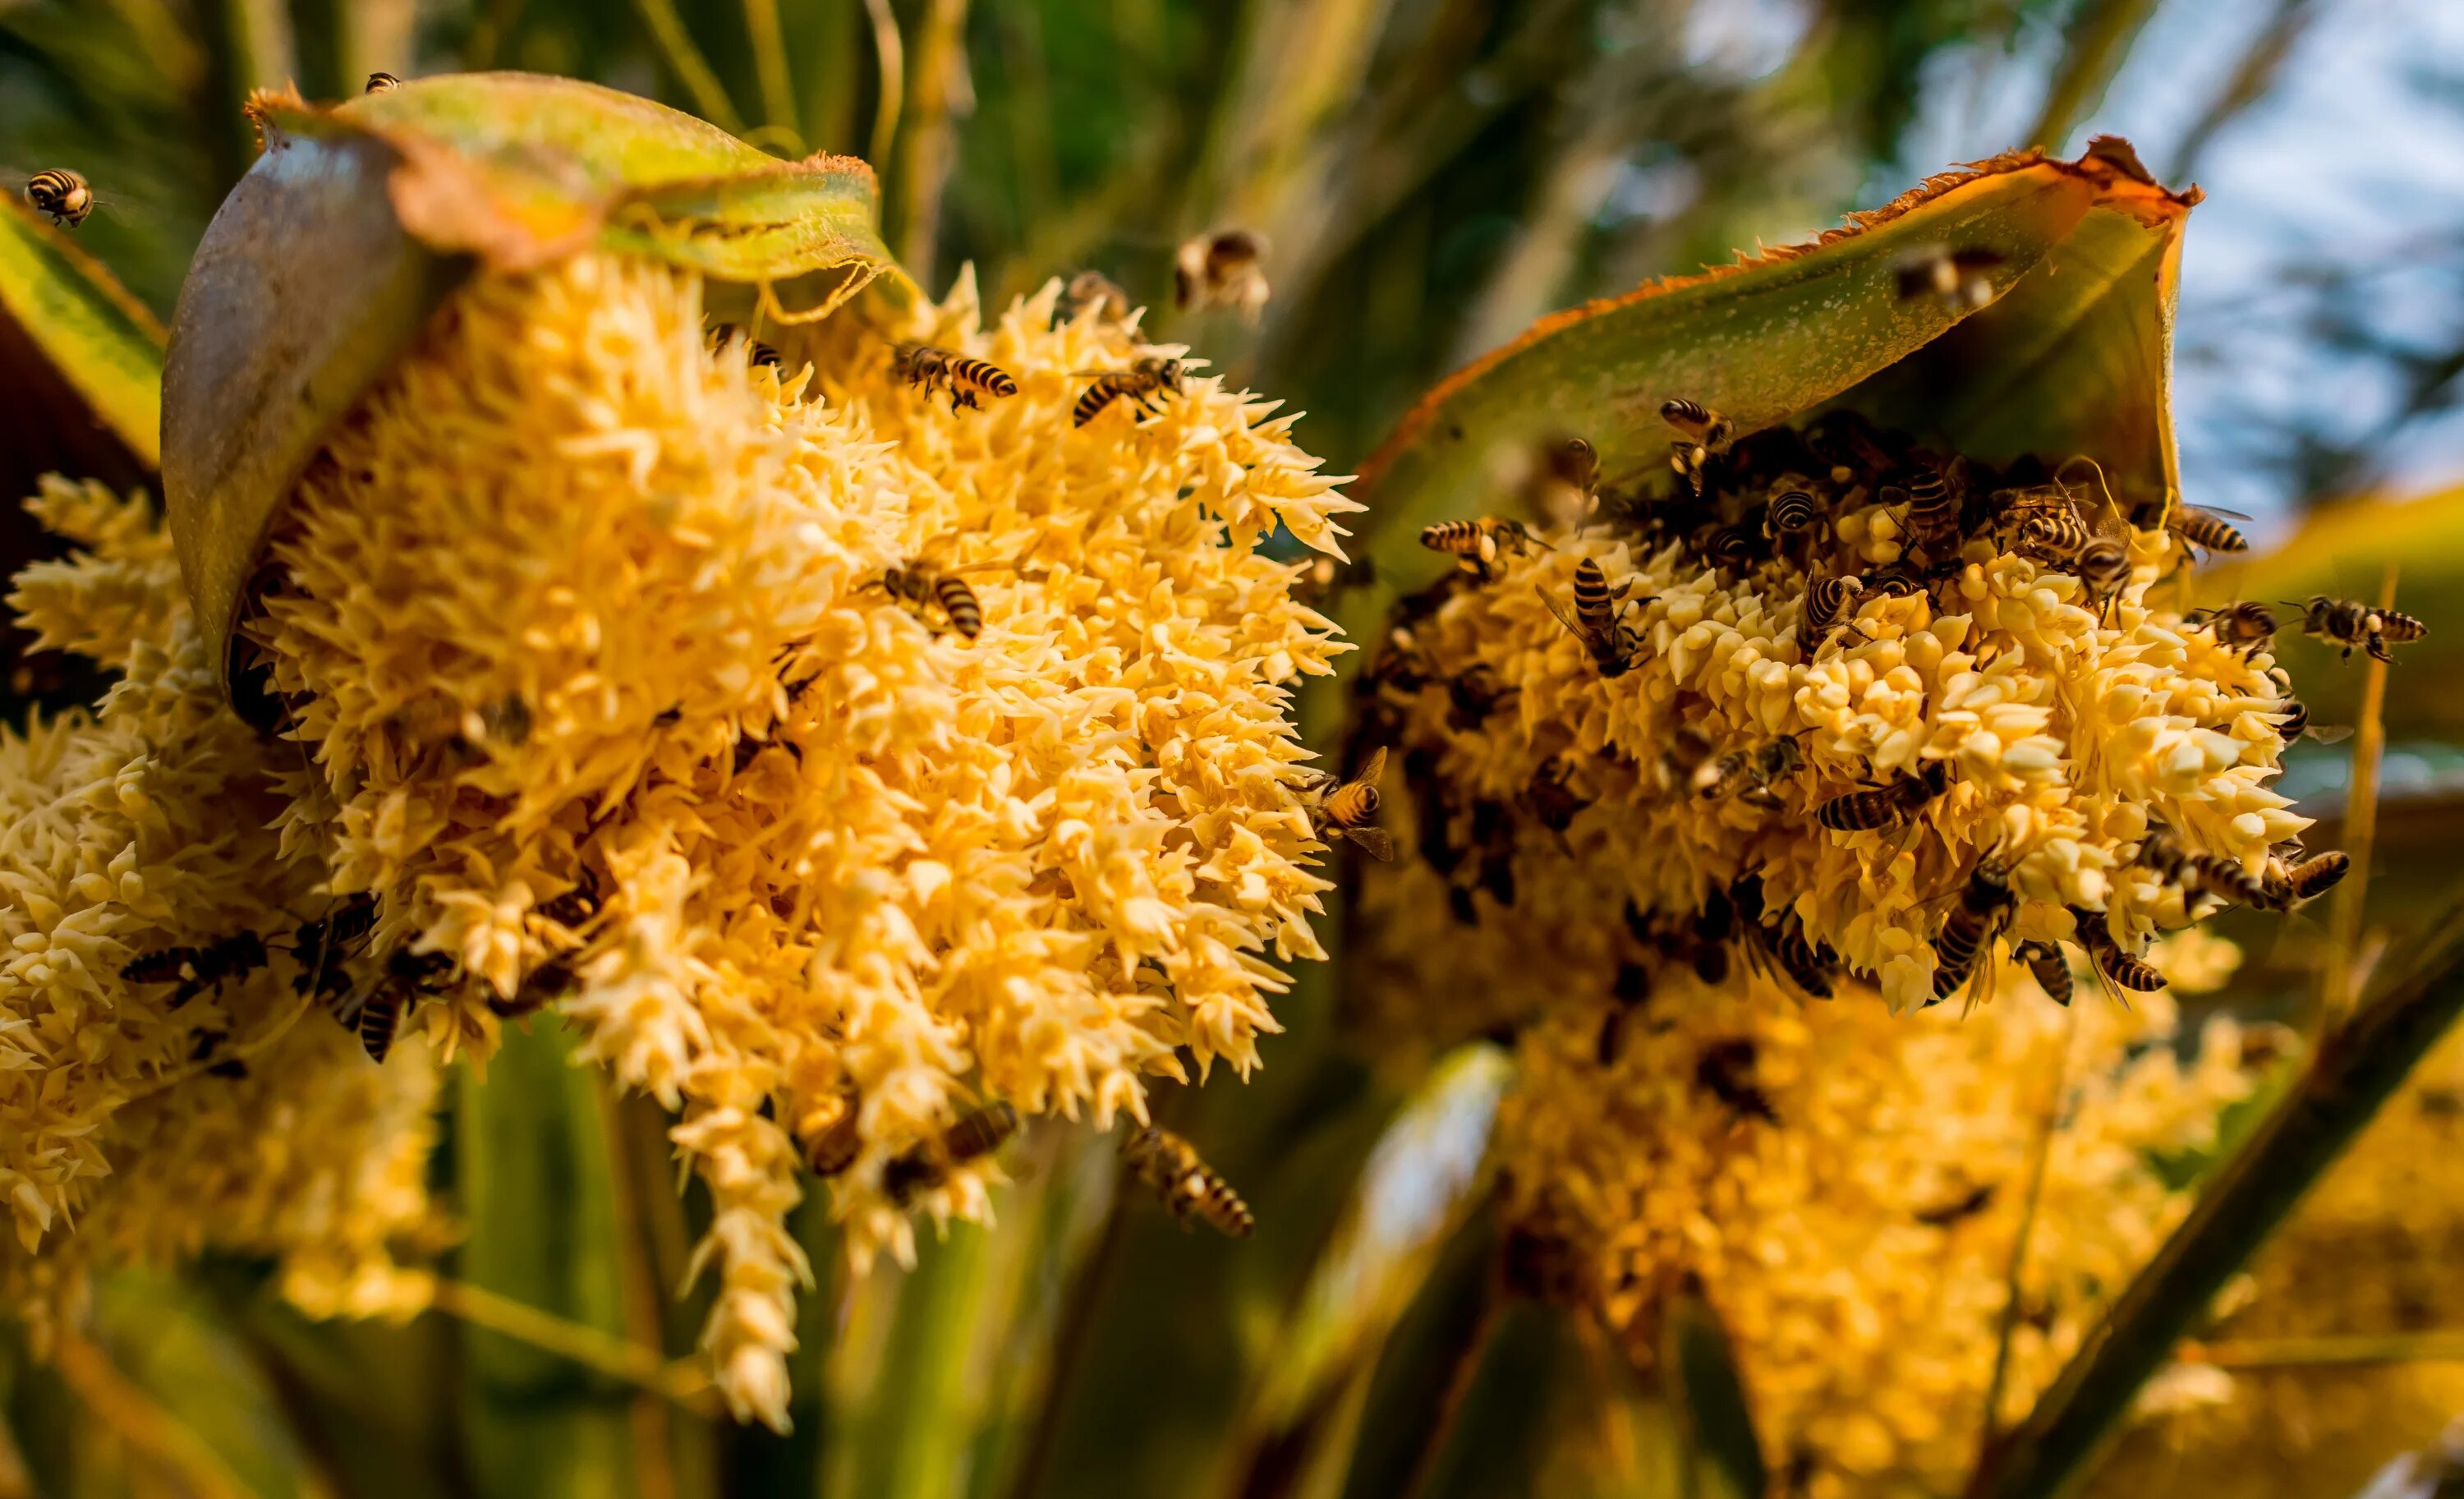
(2293, 714)
(1957, 278)
(1349, 810)
(1187, 1184)
(1597, 618)
(1224, 269)
(2356, 626)
(1878, 808)
(1476, 545)
(196, 969)
(382, 83)
(967, 382)
(1094, 294)
(922, 587)
(1706, 435)
(62, 194)
(1970, 931)
(1141, 385)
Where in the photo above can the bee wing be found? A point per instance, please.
(2329, 732)
(1375, 767)
(1372, 841)
(1565, 615)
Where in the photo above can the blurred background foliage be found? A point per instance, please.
(1431, 174)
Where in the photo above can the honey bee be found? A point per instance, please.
(1472, 695)
(1894, 581)
(2198, 874)
(1784, 946)
(543, 985)
(2115, 969)
(1985, 907)
(2209, 530)
(1957, 278)
(2050, 529)
(1792, 513)
(965, 380)
(1187, 1184)
(2103, 569)
(979, 1132)
(832, 1143)
(408, 978)
(1573, 465)
(1476, 545)
(2246, 627)
(382, 83)
(1932, 512)
(1349, 809)
(1733, 549)
(1140, 384)
(1093, 294)
(2356, 625)
(1224, 269)
(1597, 618)
(1682, 756)
(1551, 800)
(1750, 775)
(196, 969)
(62, 194)
(2051, 969)
(1977, 1200)
(1725, 1069)
(1829, 603)
(319, 946)
(575, 906)
(1706, 435)
(1878, 809)
(921, 587)
(2287, 884)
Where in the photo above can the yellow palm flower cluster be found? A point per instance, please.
(1845, 1188)
(636, 685)
(2370, 1257)
(1604, 730)
(141, 1121)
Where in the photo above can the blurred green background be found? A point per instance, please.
(1431, 175)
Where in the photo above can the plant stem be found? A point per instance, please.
(1069, 1337)
(680, 1381)
(654, 1474)
(2019, 1241)
(770, 67)
(2439, 1346)
(2356, 1068)
(891, 53)
(141, 1421)
(942, 89)
(2340, 986)
(692, 69)
(1468, 1354)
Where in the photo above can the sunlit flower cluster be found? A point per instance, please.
(1544, 797)
(2370, 1257)
(1844, 1188)
(585, 617)
(137, 1126)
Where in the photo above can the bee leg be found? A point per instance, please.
(2379, 651)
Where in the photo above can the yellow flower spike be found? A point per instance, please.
(1843, 1187)
(139, 1122)
(1857, 584)
(590, 627)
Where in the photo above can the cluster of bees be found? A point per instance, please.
(1166, 1164)
(333, 971)
(1766, 505)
